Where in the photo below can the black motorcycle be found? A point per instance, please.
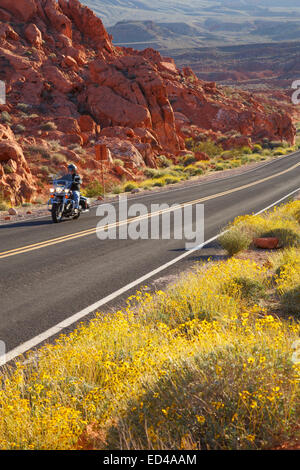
(61, 203)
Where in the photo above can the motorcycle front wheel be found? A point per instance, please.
(57, 213)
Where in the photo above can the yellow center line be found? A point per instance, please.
(73, 236)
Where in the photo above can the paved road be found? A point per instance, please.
(43, 285)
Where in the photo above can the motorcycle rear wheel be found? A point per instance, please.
(76, 216)
(57, 213)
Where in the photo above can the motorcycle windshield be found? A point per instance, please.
(64, 181)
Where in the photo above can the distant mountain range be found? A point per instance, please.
(172, 24)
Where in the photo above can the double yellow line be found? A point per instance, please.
(84, 233)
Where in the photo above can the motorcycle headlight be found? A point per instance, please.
(51, 190)
(67, 191)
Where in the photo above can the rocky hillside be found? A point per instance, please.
(68, 87)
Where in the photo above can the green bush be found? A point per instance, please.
(172, 179)
(3, 205)
(257, 148)
(7, 169)
(188, 160)
(159, 182)
(117, 189)
(19, 128)
(250, 290)
(130, 186)
(5, 117)
(193, 170)
(163, 161)
(93, 189)
(23, 107)
(290, 301)
(209, 147)
(246, 150)
(118, 162)
(234, 241)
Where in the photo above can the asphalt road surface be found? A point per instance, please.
(50, 272)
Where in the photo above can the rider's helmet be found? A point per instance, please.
(72, 167)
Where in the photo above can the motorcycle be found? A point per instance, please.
(61, 203)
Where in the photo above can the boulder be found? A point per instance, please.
(12, 211)
(23, 10)
(267, 243)
(33, 35)
(201, 156)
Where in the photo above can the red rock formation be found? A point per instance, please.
(16, 182)
(76, 88)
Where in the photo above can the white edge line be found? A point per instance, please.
(24, 347)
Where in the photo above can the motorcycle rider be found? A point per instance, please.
(75, 186)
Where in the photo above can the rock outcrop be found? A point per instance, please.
(68, 87)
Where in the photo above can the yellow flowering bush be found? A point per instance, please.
(281, 222)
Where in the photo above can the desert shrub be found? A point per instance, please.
(45, 170)
(48, 126)
(246, 150)
(193, 170)
(288, 281)
(23, 107)
(277, 144)
(19, 128)
(245, 159)
(290, 149)
(236, 163)
(155, 173)
(39, 150)
(117, 189)
(7, 169)
(235, 240)
(209, 147)
(257, 148)
(6, 117)
(4, 206)
(159, 182)
(188, 160)
(163, 161)
(130, 186)
(54, 145)
(169, 179)
(250, 290)
(189, 143)
(118, 162)
(279, 152)
(220, 166)
(290, 301)
(93, 189)
(77, 149)
(288, 237)
(58, 158)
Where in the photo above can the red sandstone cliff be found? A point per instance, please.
(60, 66)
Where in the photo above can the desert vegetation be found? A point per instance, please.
(212, 362)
